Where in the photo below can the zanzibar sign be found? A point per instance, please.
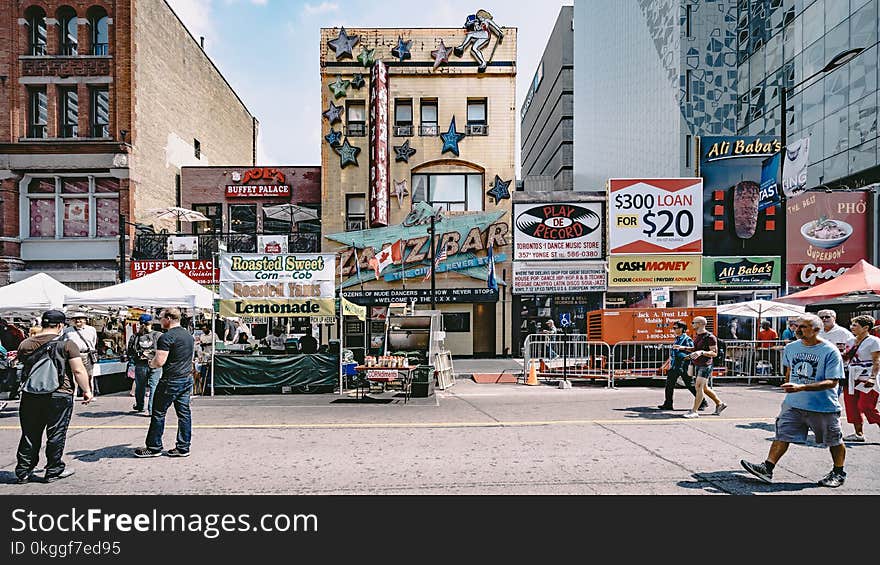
(463, 236)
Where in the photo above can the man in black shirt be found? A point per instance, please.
(308, 344)
(174, 354)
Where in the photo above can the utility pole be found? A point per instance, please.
(431, 266)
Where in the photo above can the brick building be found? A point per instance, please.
(101, 103)
(424, 126)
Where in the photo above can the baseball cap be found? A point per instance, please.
(77, 314)
(145, 318)
(53, 318)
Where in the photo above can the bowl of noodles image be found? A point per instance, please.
(825, 233)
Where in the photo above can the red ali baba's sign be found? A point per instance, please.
(277, 189)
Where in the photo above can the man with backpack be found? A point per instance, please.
(51, 365)
(141, 350)
(705, 348)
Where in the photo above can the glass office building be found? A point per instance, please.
(782, 42)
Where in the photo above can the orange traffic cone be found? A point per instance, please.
(533, 375)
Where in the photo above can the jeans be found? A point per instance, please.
(145, 377)
(38, 412)
(168, 392)
(671, 378)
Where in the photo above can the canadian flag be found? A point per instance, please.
(388, 256)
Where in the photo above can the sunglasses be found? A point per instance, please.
(825, 317)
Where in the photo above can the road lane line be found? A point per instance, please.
(392, 425)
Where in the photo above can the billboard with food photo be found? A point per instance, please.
(740, 216)
(827, 234)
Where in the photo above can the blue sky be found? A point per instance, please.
(268, 51)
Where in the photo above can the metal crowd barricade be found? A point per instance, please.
(561, 356)
(751, 359)
(639, 360)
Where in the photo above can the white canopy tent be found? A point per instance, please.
(166, 288)
(761, 309)
(39, 292)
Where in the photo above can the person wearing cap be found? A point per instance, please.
(678, 365)
(86, 338)
(141, 350)
(49, 412)
(790, 332)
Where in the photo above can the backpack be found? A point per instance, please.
(44, 368)
(722, 352)
(144, 346)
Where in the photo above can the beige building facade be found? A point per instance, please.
(412, 163)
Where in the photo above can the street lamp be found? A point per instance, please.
(835, 63)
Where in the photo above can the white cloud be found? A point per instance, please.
(260, 2)
(198, 17)
(322, 8)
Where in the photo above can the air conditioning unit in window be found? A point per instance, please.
(478, 129)
(403, 131)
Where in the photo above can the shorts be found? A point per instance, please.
(792, 425)
(702, 372)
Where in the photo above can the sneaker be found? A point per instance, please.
(703, 405)
(832, 480)
(719, 409)
(855, 438)
(177, 453)
(760, 470)
(690, 414)
(25, 479)
(63, 475)
(664, 407)
(146, 452)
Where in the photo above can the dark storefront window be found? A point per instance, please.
(457, 322)
(214, 212)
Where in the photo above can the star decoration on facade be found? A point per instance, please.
(339, 86)
(400, 192)
(357, 82)
(367, 57)
(348, 154)
(404, 152)
(441, 55)
(402, 49)
(334, 138)
(451, 139)
(333, 114)
(500, 189)
(343, 44)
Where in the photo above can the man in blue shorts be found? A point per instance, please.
(813, 367)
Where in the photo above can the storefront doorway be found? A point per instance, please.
(484, 329)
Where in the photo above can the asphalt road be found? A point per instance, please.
(470, 439)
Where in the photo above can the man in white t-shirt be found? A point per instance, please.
(831, 332)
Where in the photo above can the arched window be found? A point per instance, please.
(36, 24)
(67, 25)
(98, 27)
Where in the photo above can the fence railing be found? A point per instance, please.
(558, 356)
(154, 246)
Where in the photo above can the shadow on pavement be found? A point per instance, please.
(121, 451)
(106, 414)
(651, 413)
(739, 482)
(758, 426)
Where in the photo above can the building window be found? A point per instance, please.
(73, 207)
(457, 322)
(355, 118)
(355, 212)
(476, 117)
(68, 108)
(67, 27)
(687, 85)
(687, 151)
(36, 23)
(38, 112)
(687, 21)
(197, 149)
(403, 118)
(213, 212)
(100, 112)
(243, 218)
(100, 35)
(429, 118)
(452, 192)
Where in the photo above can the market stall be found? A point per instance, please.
(276, 290)
(162, 289)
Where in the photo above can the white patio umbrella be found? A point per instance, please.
(179, 214)
(290, 212)
(760, 309)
